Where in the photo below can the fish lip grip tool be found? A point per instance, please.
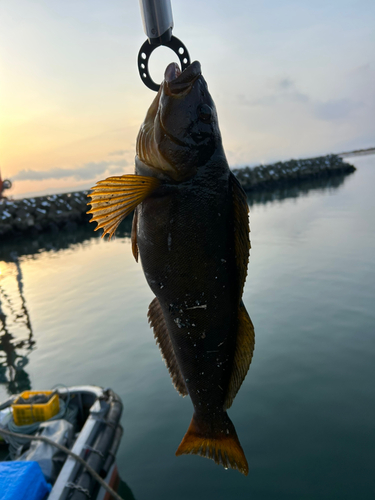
(158, 24)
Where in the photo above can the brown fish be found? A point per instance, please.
(191, 231)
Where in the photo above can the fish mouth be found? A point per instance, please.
(172, 72)
(149, 157)
(177, 83)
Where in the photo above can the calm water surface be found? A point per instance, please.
(306, 411)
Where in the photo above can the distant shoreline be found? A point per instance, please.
(357, 152)
(273, 176)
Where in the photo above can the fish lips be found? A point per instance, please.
(155, 140)
(177, 83)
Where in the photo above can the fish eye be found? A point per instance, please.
(204, 113)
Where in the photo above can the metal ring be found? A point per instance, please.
(147, 49)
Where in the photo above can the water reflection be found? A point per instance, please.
(124, 491)
(311, 292)
(50, 242)
(13, 351)
(297, 189)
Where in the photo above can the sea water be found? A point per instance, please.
(74, 307)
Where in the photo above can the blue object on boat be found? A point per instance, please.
(22, 481)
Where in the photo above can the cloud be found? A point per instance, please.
(296, 96)
(362, 70)
(120, 152)
(85, 172)
(286, 83)
(335, 109)
(262, 101)
(285, 90)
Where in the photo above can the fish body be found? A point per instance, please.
(186, 244)
(191, 233)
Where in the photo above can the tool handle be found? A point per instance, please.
(157, 20)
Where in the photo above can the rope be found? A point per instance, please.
(76, 457)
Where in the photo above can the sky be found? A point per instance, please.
(290, 79)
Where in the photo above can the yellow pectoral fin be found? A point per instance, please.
(114, 198)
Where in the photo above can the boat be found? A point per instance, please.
(87, 425)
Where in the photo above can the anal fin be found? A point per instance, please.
(161, 334)
(243, 354)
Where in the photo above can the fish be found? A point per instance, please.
(191, 232)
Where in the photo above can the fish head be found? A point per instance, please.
(180, 132)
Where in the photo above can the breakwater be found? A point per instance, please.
(43, 213)
(66, 212)
(280, 174)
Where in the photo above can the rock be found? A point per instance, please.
(70, 226)
(74, 214)
(21, 213)
(271, 176)
(5, 229)
(53, 228)
(30, 221)
(20, 224)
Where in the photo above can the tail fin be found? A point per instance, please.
(216, 440)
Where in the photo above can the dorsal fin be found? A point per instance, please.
(245, 334)
(241, 230)
(161, 334)
(243, 354)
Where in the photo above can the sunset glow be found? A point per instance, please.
(287, 81)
